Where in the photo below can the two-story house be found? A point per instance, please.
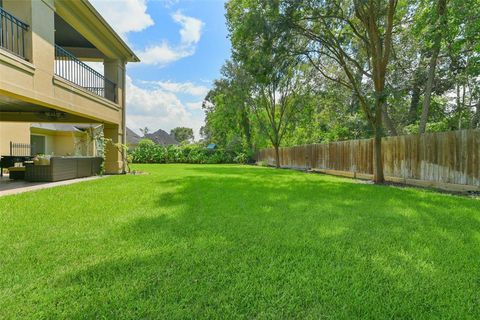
(45, 48)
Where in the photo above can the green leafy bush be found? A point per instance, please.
(149, 152)
(241, 158)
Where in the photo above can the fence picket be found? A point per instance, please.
(443, 157)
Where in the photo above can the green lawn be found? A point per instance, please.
(212, 241)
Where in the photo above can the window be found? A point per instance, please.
(38, 144)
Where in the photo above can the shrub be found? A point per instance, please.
(241, 158)
(149, 152)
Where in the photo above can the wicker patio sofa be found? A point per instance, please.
(63, 168)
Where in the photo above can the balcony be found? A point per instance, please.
(70, 68)
(12, 34)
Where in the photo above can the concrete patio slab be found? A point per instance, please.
(9, 187)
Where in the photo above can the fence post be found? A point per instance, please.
(439, 159)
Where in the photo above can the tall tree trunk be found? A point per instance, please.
(416, 92)
(377, 153)
(459, 107)
(246, 128)
(354, 101)
(388, 122)
(381, 47)
(415, 100)
(377, 145)
(440, 26)
(277, 156)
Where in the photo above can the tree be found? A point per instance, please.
(355, 69)
(182, 134)
(239, 97)
(356, 36)
(145, 131)
(260, 43)
(227, 109)
(439, 27)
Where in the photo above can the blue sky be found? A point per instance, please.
(182, 45)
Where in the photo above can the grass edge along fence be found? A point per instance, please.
(444, 160)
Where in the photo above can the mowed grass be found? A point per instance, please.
(226, 242)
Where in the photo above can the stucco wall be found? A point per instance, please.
(56, 143)
(13, 131)
(34, 81)
(64, 144)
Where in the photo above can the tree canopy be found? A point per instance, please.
(310, 71)
(182, 134)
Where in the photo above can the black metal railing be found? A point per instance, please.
(70, 68)
(20, 149)
(12, 34)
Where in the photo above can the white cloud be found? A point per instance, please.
(153, 102)
(170, 3)
(157, 108)
(131, 16)
(157, 105)
(191, 30)
(184, 87)
(124, 15)
(97, 66)
(164, 53)
(188, 88)
(194, 105)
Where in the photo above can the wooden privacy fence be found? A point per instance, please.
(447, 160)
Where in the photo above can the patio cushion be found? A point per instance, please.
(42, 161)
(16, 169)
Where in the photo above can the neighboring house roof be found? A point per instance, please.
(132, 137)
(161, 137)
(212, 146)
(65, 127)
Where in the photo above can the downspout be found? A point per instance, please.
(124, 116)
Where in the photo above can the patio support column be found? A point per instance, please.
(113, 155)
(114, 70)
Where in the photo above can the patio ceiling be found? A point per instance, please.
(67, 36)
(16, 110)
(70, 127)
(71, 40)
(12, 105)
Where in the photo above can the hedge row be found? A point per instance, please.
(149, 152)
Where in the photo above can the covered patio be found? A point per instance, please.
(69, 71)
(10, 187)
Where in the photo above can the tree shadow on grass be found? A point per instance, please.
(275, 244)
